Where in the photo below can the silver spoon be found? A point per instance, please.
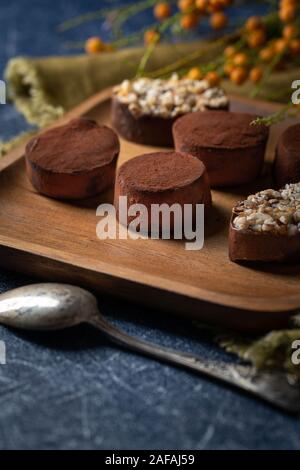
(59, 306)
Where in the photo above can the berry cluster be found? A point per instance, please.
(258, 47)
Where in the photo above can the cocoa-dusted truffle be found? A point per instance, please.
(163, 178)
(266, 226)
(287, 160)
(74, 161)
(231, 148)
(144, 110)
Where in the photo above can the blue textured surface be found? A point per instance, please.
(72, 389)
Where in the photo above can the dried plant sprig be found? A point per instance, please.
(276, 60)
(290, 110)
(190, 59)
(163, 27)
(120, 14)
(85, 18)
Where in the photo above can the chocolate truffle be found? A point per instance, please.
(229, 146)
(266, 227)
(163, 178)
(74, 161)
(145, 110)
(287, 160)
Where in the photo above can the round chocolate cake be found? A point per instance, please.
(287, 160)
(74, 161)
(163, 178)
(231, 148)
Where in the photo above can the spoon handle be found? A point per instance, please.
(272, 387)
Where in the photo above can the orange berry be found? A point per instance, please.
(280, 45)
(257, 38)
(201, 5)
(162, 10)
(194, 74)
(254, 23)
(240, 59)
(189, 21)
(287, 3)
(295, 46)
(290, 31)
(239, 75)
(185, 5)
(151, 36)
(228, 68)
(214, 6)
(218, 20)
(256, 74)
(213, 78)
(94, 45)
(266, 54)
(230, 52)
(287, 14)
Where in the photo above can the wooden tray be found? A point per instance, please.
(57, 241)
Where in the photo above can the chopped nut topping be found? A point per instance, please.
(169, 98)
(271, 211)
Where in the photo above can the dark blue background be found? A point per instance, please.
(72, 389)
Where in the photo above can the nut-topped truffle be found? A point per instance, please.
(144, 110)
(271, 211)
(266, 226)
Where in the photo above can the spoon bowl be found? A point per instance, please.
(46, 307)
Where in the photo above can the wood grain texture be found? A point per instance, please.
(57, 241)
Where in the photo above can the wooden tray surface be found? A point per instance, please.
(57, 241)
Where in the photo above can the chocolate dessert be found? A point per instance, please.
(163, 178)
(231, 148)
(74, 161)
(145, 110)
(266, 226)
(287, 160)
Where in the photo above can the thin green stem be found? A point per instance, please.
(277, 58)
(277, 117)
(163, 27)
(132, 38)
(190, 58)
(122, 14)
(81, 19)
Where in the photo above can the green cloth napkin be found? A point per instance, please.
(44, 89)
